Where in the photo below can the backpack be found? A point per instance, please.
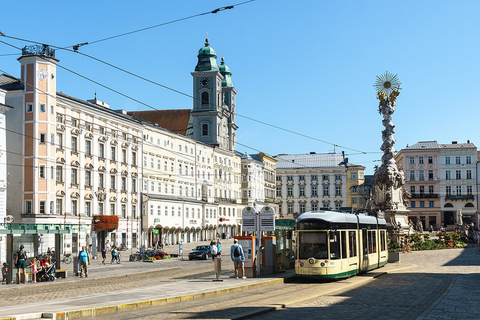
(21, 255)
(236, 252)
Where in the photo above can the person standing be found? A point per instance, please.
(83, 258)
(219, 247)
(5, 273)
(35, 267)
(21, 263)
(238, 258)
(214, 250)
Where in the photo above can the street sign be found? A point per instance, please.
(249, 223)
(267, 222)
(156, 231)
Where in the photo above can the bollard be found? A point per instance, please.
(217, 264)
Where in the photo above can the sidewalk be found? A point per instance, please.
(156, 294)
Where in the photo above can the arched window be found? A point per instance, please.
(448, 205)
(469, 205)
(205, 129)
(205, 99)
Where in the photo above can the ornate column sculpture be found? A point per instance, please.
(389, 180)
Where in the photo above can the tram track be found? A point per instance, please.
(243, 304)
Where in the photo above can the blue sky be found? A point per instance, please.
(305, 66)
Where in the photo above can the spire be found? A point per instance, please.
(225, 71)
(207, 58)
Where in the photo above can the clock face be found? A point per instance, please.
(204, 82)
(42, 74)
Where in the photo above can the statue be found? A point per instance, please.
(389, 193)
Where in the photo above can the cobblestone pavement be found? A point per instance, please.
(441, 284)
(112, 277)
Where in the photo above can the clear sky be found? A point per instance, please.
(304, 66)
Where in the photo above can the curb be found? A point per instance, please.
(92, 312)
(88, 280)
(99, 311)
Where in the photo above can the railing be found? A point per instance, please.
(424, 195)
(42, 50)
(461, 197)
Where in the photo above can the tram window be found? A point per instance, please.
(334, 245)
(382, 240)
(312, 245)
(374, 241)
(352, 243)
(344, 245)
(364, 241)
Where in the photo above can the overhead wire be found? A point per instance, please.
(151, 107)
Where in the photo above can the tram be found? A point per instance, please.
(337, 245)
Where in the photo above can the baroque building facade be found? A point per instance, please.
(310, 182)
(73, 162)
(441, 179)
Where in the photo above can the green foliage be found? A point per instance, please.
(167, 257)
(416, 238)
(392, 245)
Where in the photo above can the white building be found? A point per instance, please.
(310, 182)
(458, 182)
(69, 160)
(3, 173)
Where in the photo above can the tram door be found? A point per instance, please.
(364, 251)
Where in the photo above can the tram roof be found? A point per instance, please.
(340, 217)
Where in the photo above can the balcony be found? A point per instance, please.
(424, 195)
(461, 197)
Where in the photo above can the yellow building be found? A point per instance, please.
(355, 181)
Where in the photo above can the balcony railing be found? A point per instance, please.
(424, 195)
(462, 197)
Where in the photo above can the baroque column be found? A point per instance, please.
(390, 195)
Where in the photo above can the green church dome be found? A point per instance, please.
(207, 59)
(225, 71)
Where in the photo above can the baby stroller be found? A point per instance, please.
(47, 273)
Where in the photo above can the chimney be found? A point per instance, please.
(454, 142)
(468, 141)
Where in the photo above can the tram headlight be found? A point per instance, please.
(311, 260)
(301, 264)
(322, 264)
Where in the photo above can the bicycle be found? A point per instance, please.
(67, 258)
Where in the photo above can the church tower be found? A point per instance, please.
(213, 110)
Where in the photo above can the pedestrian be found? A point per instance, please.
(104, 255)
(107, 245)
(406, 245)
(214, 250)
(227, 235)
(238, 258)
(5, 273)
(431, 229)
(35, 267)
(219, 247)
(83, 258)
(21, 263)
(163, 242)
(114, 254)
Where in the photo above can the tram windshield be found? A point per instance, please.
(312, 245)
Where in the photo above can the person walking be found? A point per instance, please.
(406, 245)
(21, 263)
(238, 258)
(114, 255)
(83, 258)
(104, 255)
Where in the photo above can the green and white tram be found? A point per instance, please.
(339, 245)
